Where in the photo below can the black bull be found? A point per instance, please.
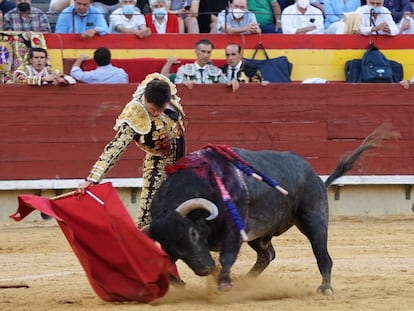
(180, 224)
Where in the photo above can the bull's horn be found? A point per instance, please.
(190, 205)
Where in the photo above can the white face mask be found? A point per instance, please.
(238, 13)
(303, 3)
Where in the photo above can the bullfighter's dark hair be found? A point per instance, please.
(102, 56)
(205, 42)
(41, 50)
(157, 92)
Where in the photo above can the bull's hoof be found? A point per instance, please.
(225, 286)
(327, 291)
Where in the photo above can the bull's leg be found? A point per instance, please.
(265, 254)
(228, 255)
(315, 228)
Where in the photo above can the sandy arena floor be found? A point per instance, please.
(373, 270)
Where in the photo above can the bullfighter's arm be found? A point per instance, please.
(111, 154)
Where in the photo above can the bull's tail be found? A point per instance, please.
(373, 140)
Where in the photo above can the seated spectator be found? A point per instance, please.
(105, 73)
(107, 7)
(26, 18)
(6, 5)
(401, 11)
(376, 19)
(82, 18)
(267, 13)
(237, 19)
(201, 71)
(334, 14)
(38, 73)
(238, 71)
(160, 21)
(302, 18)
(187, 12)
(128, 19)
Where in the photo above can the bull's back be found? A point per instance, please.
(269, 209)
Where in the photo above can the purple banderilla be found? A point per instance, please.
(242, 165)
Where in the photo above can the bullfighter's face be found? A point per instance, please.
(38, 61)
(154, 110)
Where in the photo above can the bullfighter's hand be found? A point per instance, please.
(235, 85)
(189, 84)
(82, 186)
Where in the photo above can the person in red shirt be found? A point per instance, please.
(159, 20)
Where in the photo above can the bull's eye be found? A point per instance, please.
(193, 234)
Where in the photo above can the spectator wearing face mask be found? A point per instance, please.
(376, 19)
(237, 19)
(82, 18)
(128, 19)
(401, 11)
(26, 18)
(302, 18)
(159, 20)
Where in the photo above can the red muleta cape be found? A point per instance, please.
(120, 261)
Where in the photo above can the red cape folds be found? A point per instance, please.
(121, 262)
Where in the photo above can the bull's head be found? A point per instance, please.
(185, 238)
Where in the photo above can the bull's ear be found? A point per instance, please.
(198, 203)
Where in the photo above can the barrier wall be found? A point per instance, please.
(58, 132)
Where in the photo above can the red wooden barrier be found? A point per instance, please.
(58, 132)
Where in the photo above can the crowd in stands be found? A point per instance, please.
(145, 17)
(97, 18)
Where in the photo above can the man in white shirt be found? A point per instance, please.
(237, 19)
(376, 19)
(129, 19)
(302, 18)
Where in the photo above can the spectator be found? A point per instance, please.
(26, 18)
(6, 5)
(237, 19)
(154, 119)
(128, 19)
(334, 14)
(401, 11)
(238, 71)
(201, 71)
(268, 14)
(83, 18)
(187, 12)
(38, 73)
(107, 7)
(160, 21)
(302, 18)
(376, 19)
(105, 73)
